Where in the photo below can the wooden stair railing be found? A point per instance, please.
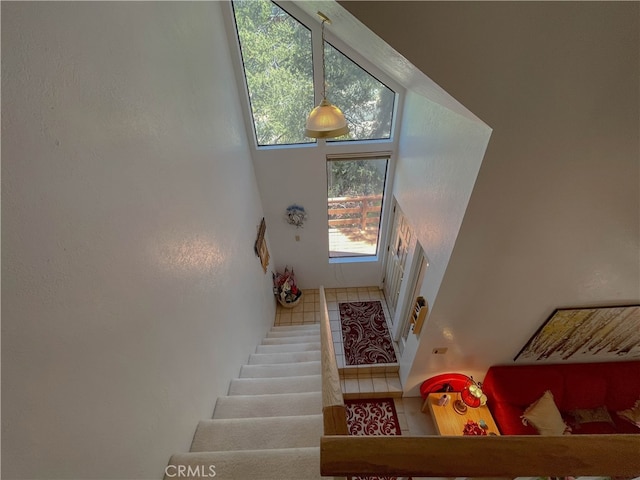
(333, 409)
(506, 456)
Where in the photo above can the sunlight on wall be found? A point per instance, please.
(196, 255)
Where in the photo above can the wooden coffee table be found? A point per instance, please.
(449, 422)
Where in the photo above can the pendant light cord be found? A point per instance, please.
(324, 80)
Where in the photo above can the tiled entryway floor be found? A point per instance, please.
(362, 381)
(308, 311)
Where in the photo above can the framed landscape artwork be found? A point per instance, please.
(586, 334)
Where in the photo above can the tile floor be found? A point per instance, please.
(362, 381)
(308, 311)
(358, 381)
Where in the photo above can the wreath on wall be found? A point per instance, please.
(296, 215)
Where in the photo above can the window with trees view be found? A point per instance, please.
(355, 191)
(278, 66)
(366, 103)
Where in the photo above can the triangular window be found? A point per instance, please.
(366, 102)
(278, 66)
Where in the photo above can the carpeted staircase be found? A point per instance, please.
(269, 425)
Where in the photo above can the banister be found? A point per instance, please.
(333, 409)
(507, 456)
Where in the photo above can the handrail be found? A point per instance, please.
(333, 409)
(469, 456)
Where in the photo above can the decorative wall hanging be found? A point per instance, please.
(296, 215)
(260, 246)
(586, 334)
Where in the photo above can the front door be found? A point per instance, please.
(398, 250)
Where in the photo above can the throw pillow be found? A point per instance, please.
(544, 415)
(589, 415)
(631, 414)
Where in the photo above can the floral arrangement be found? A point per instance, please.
(472, 428)
(285, 288)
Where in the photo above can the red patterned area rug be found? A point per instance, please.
(365, 334)
(372, 416)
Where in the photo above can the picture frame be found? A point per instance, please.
(260, 247)
(585, 334)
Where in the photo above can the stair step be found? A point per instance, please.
(296, 328)
(291, 333)
(280, 370)
(280, 464)
(257, 386)
(285, 340)
(258, 433)
(287, 357)
(292, 347)
(270, 405)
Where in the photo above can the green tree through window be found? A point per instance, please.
(366, 103)
(277, 58)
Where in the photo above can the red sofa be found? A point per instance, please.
(510, 389)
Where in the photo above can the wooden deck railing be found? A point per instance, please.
(356, 210)
(506, 456)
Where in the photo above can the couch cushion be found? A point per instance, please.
(582, 389)
(595, 428)
(582, 420)
(623, 384)
(507, 417)
(522, 385)
(590, 415)
(545, 416)
(622, 426)
(632, 415)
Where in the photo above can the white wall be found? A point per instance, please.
(439, 158)
(131, 291)
(554, 218)
(286, 177)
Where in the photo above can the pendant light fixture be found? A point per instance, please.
(326, 120)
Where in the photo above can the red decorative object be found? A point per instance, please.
(285, 288)
(470, 396)
(445, 382)
(472, 428)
